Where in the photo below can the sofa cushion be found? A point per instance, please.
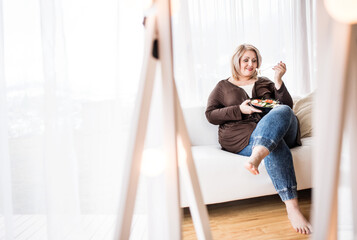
(303, 111)
(200, 130)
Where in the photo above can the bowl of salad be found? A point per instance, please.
(264, 104)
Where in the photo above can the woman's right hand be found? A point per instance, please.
(248, 109)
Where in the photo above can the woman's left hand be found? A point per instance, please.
(280, 70)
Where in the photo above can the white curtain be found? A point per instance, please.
(69, 71)
(68, 77)
(206, 33)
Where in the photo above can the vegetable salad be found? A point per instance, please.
(266, 103)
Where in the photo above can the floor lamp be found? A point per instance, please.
(158, 27)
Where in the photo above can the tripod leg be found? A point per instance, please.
(352, 131)
(173, 212)
(352, 128)
(190, 179)
(328, 133)
(131, 171)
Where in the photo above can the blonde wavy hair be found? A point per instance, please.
(235, 62)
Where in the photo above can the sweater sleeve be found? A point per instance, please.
(217, 113)
(283, 95)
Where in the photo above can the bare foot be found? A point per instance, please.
(251, 168)
(297, 220)
(258, 154)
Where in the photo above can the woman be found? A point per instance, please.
(245, 130)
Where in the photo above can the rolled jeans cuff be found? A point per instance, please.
(287, 193)
(266, 142)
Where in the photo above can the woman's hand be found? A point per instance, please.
(280, 70)
(248, 109)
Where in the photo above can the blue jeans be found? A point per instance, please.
(277, 131)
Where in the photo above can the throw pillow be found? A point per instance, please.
(303, 110)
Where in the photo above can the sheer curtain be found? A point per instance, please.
(69, 73)
(206, 33)
(68, 78)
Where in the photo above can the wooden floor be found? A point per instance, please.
(256, 218)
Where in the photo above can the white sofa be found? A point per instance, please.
(222, 175)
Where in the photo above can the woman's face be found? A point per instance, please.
(248, 63)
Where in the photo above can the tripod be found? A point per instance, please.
(158, 43)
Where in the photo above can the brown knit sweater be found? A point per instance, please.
(235, 127)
